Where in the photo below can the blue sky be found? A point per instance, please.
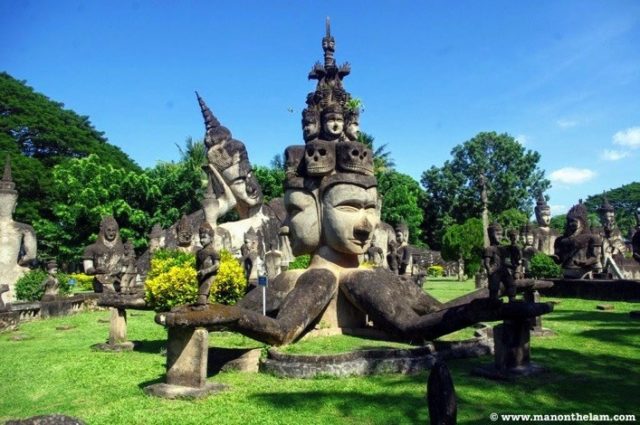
(563, 77)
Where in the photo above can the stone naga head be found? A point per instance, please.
(577, 220)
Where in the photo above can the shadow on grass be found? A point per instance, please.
(150, 346)
(610, 327)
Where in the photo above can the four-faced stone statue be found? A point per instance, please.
(18, 243)
(104, 258)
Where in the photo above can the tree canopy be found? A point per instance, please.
(511, 172)
(464, 241)
(402, 198)
(624, 199)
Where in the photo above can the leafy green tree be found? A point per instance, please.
(512, 219)
(401, 200)
(624, 199)
(39, 133)
(512, 175)
(382, 161)
(271, 181)
(464, 241)
(543, 267)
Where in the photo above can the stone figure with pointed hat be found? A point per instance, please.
(613, 246)
(577, 250)
(18, 243)
(545, 236)
(331, 200)
(51, 284)
(104, 259)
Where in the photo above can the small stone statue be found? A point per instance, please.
(130, 267)
(18, 245)
(545, 235)
(403, 250)
(184, 233)
(498, 264)
(249, 252)
(514, 260)
(51, 284)
(528, 251)
(392, 256)
(273, 262)
(612, 241)
(576, 251)
(207, 263)
(375, 254)
(104, 258)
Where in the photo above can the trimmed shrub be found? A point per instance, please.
(435, 271)
(301, 262)
(29, 286)
(230, 284)
(84, 282)
(172, 280)
(543, 267)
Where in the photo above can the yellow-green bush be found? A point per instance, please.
(230, 283)
(83, 281)
(172, 280)
(435, 271)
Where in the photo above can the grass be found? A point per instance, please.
(594, 364)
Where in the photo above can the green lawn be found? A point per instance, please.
(594, 364)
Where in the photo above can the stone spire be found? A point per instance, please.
(6, 184)
(210, 120)
(605, 206)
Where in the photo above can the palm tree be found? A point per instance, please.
(382, 160)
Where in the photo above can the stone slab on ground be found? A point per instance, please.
(178, 391)
(122, 346)
(605, 307)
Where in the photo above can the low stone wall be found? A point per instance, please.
(25, 311)
(602, 290)
(372, 362)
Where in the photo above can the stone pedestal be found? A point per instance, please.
(341, 314)
(512, 352)
(187, 356)
(481, 279)
(536, 323)
(117, 332)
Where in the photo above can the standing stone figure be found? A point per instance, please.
(577, 250)
(545, 235)
(104, 258)
(392, 256)
(207, 263)
(51, 284)
(528, 251)
(403, 250)
(375, 254)
(249, 252)
(184, 235)
(499, 264)
(612, 241)
(514, 260)
(18, 245)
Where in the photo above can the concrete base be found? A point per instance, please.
(490, 371)
(116, 347)
(178, 391)
(542, 332)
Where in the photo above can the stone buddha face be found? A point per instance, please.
(332, 124)
(349, 217)
(8, 203)
(205, 238)
(528, 239)
(495, 235)
(302, 221)
(310, 128)
(110, 231)
(243, 184)
(543, 216)
(401, 237)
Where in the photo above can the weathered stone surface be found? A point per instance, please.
(46, 420)
(187, 354)
(133, 300)
(105, 258)
(117, 332)
(178, 391)
(239, 359)
(441, 396)
(605, 307)
(578, 251)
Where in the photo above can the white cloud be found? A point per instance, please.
(629, 137)
(565, 123)
(558, 209)
(613, 155)
(570, 175)
(522, 139)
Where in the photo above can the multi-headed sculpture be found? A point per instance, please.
(18, 244)
(331, 201)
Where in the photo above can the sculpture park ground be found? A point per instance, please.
(47, 368)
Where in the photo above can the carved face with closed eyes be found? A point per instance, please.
(349, 217)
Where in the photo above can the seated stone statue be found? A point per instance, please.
(545, 235)
(104, 258)
(499, 264)
(576, 250)
(18, 245)
(51, 284)
(207, 263)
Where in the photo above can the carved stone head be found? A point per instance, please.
(320, 157)
(302, 222)
(576, 220)
(495, 233)
(352, 124)
(8, 194)
(402, 233)
(354, 157)
(332, 122)
(184, 231)
(109, 230)
(310, 124)
(156, 238)
(52, 267)
(243, 184)
(543, 212)
(205, 232)
(606, 213)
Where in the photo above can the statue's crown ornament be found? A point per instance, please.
(6, 184)
(605, 207)
(354, 157)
